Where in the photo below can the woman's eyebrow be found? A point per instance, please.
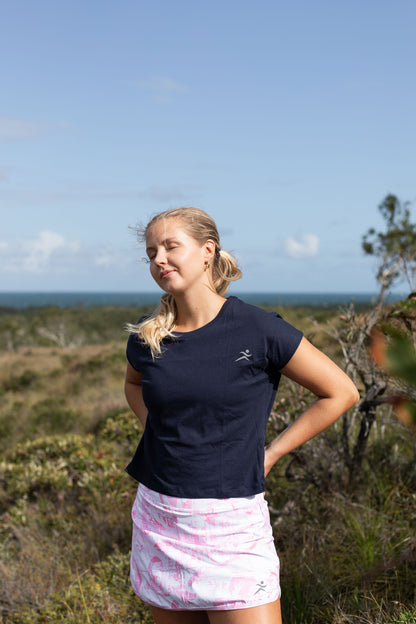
(164, 242)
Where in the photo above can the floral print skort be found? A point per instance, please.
(203, 554)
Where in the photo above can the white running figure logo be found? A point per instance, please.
(261, 587)
(245, 355)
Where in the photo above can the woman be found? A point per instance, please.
(202, 376)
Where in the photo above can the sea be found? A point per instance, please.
(22, 300)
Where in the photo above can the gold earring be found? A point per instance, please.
(207, 265)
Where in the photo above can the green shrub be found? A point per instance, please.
(123, 427)
(102, 595)
(61, 464)
(19, 383)
(51, 416)
(405, 617)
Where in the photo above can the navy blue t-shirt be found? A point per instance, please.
(209, 396)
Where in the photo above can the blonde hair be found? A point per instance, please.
(200, 226)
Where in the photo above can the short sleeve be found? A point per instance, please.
(136, 352)
(282, 341)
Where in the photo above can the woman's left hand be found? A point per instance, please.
(335, 394)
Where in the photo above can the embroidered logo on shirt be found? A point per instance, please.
(261, 587)
(244, 355)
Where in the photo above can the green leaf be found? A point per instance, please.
(401, 358)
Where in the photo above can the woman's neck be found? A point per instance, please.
(195, 312)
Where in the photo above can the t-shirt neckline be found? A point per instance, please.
(209, 324)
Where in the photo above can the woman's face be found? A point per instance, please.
(177, 261)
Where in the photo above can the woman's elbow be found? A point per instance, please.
(351, 396)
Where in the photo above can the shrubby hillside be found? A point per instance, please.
(347, 547)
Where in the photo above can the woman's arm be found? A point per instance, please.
(134, 394)
(335, 394)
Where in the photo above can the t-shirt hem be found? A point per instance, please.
(219, 493)
(286, 361)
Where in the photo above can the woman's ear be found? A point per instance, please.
(209, 248)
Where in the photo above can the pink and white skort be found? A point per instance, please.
(214, 554)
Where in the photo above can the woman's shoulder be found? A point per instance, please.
(253, 312)
(137, 351)
(267, 322)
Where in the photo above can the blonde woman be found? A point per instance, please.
(202, 375)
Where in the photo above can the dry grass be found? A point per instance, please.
(64, 539)
(45, 390)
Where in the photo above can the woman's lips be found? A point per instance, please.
(166, 274)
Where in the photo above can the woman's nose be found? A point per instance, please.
(160, 257)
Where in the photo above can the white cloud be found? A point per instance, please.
(108, 257)
(306, 247)
(156, 193)
(11, 128)
(49, 252)
(103, 260)
(40, 250)
(37, 254)
(163, 88)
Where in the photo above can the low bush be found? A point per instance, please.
(19, 383)
(66, 434)
(102, 595)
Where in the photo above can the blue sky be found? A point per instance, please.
(287, 121)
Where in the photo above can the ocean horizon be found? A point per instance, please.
(22, 300)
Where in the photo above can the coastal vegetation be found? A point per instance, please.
(343, 507)
(347, 548)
